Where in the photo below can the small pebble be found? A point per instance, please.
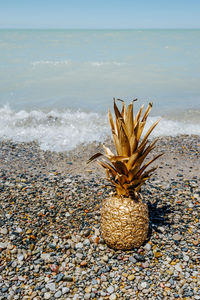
(177, 237)
(65, 290)
(110, 289)
(47, 295)
(58, 294)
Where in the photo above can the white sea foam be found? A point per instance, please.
(50, 62)
(56, 131)
(70, 62)
(105, 63)
(64, 130)
(173, 128)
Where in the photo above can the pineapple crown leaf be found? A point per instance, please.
(126, 169)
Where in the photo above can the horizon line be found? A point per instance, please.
(68, 28)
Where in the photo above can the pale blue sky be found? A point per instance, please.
(94, 14)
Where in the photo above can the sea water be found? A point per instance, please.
(56, 85)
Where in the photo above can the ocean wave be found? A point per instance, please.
(50, 62)
(56, 63)
(69, 62)
(54, 130)
(64, 130)
(105, 63)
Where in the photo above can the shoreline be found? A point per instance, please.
(181, 155)
(50, 242)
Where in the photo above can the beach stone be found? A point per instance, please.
(45, 256)
(59, 277)
(131, 277)
(19, 230)
(145, 264)
(94, 282)
(147, 247)
(178, 268)
(87, 232)
(195, 242)
(113, 297)
(83, 263)
(87, 296)
(47, 295)
(170, 271)
(20, 257)
(110, 289)
(177, 237)
(143, 284)
(188, 294)
(58, 294)
(10, 247)
(67, 180)
(139, 257)
(86, 242)
(3, 245)
(132, 259)
(79, 255)
(79, 246)
(52, 246)
(3, 231)
(103, 278)
(105, 258)
(65, 290)
(101, 247)
(68, 278)
(186, 257)
(67, 246)
(51, 286)
(88, 289)
(4, 290)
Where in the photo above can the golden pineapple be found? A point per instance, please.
(124, 215)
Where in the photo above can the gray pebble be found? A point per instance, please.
(47, 295)
(79, 246)
(110, 289)
(177, 237)
(65, 290)
(58, 294)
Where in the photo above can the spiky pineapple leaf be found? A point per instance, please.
(117, 145)
(117, 112)
(112, 125)
(146, 165)
(124, 141)
(149, 131)
(129, 120)
(148, 173)
(108, 152)
(137, 118)
(132, 160)
(94, 157)
(120, 167)
(147, 112)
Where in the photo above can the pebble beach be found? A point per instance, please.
(50, 239)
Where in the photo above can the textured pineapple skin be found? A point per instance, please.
(124, 222)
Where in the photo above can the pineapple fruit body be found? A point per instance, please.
(124, 222)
